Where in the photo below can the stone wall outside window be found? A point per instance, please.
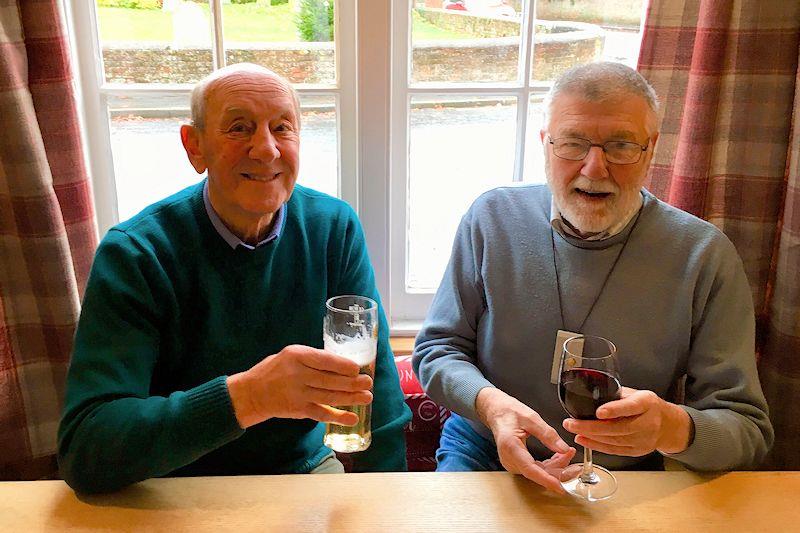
(559, 46)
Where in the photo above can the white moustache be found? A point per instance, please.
(585, 184)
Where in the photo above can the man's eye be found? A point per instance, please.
(572, 144)
(618, 145)
(238, 128)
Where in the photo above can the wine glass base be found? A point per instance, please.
(602, 487)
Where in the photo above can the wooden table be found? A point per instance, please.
(457, 502)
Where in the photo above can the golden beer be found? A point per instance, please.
(356, 438)
(350, 330)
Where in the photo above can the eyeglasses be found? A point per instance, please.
(617, 152)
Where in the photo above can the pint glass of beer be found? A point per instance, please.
(351, 330)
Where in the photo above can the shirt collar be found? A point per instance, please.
(563, 226)
(234, 241)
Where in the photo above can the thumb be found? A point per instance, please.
(536, 427)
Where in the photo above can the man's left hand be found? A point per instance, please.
(635, 425)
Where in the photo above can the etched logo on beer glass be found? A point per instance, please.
(351, 330)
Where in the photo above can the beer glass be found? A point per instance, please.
(350, 330)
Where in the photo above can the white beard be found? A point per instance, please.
(594, 216)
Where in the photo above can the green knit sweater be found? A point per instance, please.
(170, 310)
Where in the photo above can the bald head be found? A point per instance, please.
(206, 86)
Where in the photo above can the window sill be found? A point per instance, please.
(402, 345)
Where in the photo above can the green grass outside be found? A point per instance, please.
(422, 30)
(241, 23)
(118, 24)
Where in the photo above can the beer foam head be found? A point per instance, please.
(360, 351)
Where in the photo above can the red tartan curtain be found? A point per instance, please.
(726, 72)
(47, 232)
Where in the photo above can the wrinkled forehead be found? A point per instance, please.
(622, 112)
(239, 89)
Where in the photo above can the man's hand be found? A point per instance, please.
(512, 422)
(299, 382)
(634, 425)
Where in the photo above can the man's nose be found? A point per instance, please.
(264, 146)
(595, 165)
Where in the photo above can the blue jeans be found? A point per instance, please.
(461, 449)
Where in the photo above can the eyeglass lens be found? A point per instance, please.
(576, 149)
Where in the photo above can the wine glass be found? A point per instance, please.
(588, 378)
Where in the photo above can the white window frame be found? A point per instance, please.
(94, 94)
(372, 95)
(409, 308)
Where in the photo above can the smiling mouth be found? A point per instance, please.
(260, 177)
(593, 195)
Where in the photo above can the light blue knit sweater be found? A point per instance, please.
(677, 303)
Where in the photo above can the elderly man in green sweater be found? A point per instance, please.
(198, 347)
(593, 253)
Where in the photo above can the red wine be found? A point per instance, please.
(583, 390)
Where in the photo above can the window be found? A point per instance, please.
(468, 81)
(435, 102)
(141, 58)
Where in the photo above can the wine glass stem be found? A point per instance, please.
(587, 474)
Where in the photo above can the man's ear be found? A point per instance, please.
(541, 135)
(190, 137)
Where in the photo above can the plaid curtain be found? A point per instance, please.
(47, 232)
(726, 72)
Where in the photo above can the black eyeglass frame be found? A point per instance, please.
(602, 146)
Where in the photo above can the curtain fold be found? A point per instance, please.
(780, 361)
(726, 72)
(47, 232)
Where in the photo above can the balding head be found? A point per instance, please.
(201, 91)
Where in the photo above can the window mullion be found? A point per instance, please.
(347, 100)
(94, 109)
(217, 43)
(526, 60)
(374, 25)
(400, 123)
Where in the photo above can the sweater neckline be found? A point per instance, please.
(217, 247)
(622, 236)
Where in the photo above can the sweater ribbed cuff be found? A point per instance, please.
(210, 411)
(704, 451)
(466, 392)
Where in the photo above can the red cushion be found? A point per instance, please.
(423, 431)
(427, 420)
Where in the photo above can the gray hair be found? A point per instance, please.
(601, 82)
(200, 91)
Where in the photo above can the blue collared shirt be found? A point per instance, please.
(234, 241)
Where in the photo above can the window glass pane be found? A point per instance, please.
(572, 32)
(460, 147)
(319, 144)
(469, 41)
(150, 162)
(533, 172)
(155, 41)
(293, 38)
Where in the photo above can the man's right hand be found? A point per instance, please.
(299, 382)
(512, 422)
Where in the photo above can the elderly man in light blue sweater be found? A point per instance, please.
(593, 253)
